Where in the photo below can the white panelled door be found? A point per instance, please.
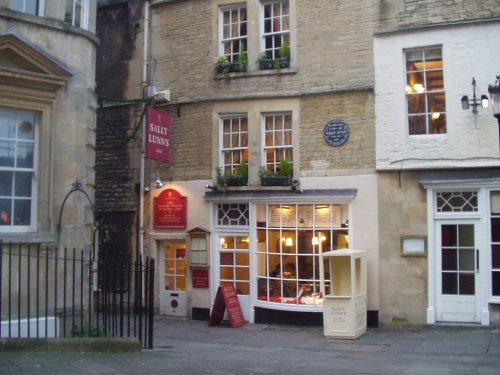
(457, 271)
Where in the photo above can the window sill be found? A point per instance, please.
(256, 73)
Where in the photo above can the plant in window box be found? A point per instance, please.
(281, 177)
(222, 65)
(283, 61)
(239, 178)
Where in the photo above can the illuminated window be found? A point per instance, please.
(275, 27)
(278, 140)
(425, 95)
(290, 239)
(233, 33)
(234, 143)
(234, 262)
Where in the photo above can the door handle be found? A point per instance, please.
(477, 260)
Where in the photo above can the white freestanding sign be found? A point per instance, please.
(344, 307)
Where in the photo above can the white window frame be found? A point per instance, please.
(241, 40)
(287, 149)
(84, 13)
(284, 34)
(233, 166)
(413, 90)
(40, 6)
(33, 207)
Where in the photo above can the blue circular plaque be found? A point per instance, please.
(336, 132)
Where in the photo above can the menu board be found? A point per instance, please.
(226, 297)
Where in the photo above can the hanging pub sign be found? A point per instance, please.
(158, 135)
(169, 210)
(336, 132)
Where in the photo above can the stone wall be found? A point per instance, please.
(402, 279)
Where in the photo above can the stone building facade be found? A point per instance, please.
(371, 190)
(437, 184)
(47, 148)
(329, 80)
(47, 90)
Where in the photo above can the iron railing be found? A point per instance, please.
(46, 292)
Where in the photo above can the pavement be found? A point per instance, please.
(184, 346)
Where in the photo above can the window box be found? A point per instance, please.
(267, 64)
(276, 181)
(282, 176)
(224, 66)
(239, 178)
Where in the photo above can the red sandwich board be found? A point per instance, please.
(226, 297)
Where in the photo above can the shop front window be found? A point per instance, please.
(290, 239)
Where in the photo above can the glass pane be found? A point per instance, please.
(416, 103)
(5, 212)
(169, 283)
(411, 58)
(242, 259)
(449, 235)
(22, 184)
(226, 273)
(22, 212)
(417, 125)
(449, 260)
(466, 282)
(467, 261)
(6, 183)
(495, 229)
(6, 153)
(180, 283)
(437, 123)
(242, 273)
(495, 256)
(449, 283)
(466, 235)
(7, 123)
(495, 280)
(26, 126)
(25, 155)
(495, 202)
(242, 288)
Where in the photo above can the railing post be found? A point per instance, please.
(151, 301)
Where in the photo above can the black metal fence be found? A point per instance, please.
(46, 292)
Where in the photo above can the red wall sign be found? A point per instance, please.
(158, 135)
(226, 297)
(169, 210)
(200, 278)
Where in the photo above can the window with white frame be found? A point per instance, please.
(34, 7)
(425, 95)
(278, 140)
(17, 168)
(234, 143)
(275, 27)
(233, 32)
(290, 240)
(234, 262)
(77, 13)
(495, 243)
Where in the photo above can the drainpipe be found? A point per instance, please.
(143, 147)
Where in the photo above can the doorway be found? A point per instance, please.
(173, 299)
(457, 271)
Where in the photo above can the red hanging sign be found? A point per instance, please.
(158, 135)
(169, 210)
(226, 297)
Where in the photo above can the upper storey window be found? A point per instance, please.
(34, 7)
(275, 28)
(425, 95)
(77, 13)
(278, 140)
(233, 33)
